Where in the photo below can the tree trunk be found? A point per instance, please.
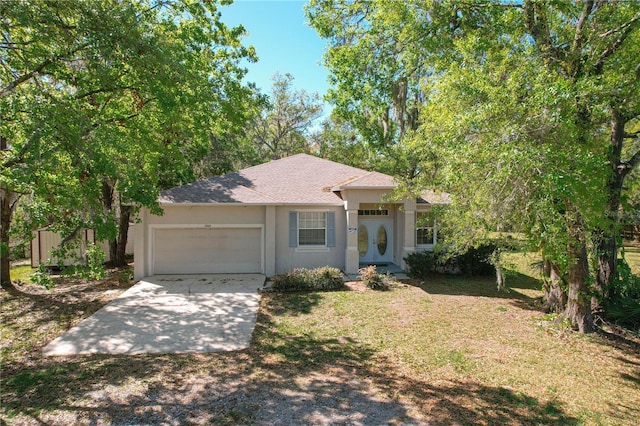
(608, 244)
(607, 269)
(499, 277)
(107, 203)
(578, 310)
(555, 297)
(7, 203)
(123, 233)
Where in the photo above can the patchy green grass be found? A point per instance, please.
(449, 350)
(460, 335)
(632, 255)
(21, 273)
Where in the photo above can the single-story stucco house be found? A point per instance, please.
(295, 212)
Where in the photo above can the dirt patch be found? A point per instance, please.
(356, 286)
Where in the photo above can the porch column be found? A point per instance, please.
(140, 266)
(409, 244)
(352, 257)
(270, 241)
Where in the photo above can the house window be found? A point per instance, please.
(425, 229)
(312, 228)
(373, 212)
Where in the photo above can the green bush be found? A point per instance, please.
(475, 261)
(421, 264)
(623, 305)
(301, 279)
(375, 281)
(93, 268)
(95, 262)
(41, 275)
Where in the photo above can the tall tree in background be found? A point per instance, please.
(103, 103)
(337, 140)
(526, 107)
(282, 128)
(377, 78)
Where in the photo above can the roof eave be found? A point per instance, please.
(345, 188)
(340, 204)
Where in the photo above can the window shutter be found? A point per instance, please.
(331, 229)
(293, 229)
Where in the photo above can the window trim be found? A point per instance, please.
(433, 227)
(298, 228)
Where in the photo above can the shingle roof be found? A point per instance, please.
(431, 197)
(369, 180)
(299, 179)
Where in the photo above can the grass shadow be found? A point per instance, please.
(290, 303)
(465, 402)
(31, 316)
(520, 289)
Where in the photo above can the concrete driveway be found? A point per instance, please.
(170, 314)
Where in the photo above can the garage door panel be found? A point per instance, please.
(207, 250)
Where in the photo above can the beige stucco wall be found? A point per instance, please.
(224, 214)
(274, 220)
(288, 258)
(176, 216)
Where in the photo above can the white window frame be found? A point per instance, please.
(434, 229)
(312, 246)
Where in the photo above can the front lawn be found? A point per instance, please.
(450, 350)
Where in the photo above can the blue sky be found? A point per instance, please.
(283, 42)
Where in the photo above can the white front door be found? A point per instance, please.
(375, 241)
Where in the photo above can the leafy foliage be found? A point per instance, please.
(320, 279)
(42, 276)
(282, 126)
(623, 306)
(104, 103)
(523, 111)
(475, 261)
(421, 264)
(337, 140)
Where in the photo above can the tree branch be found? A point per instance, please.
(31, 74)
(632, 135)
(17, 159)
(634, 160)
(626, 29)
(24, 77)
(621, 27)
(536, 23)
(104, 90)
(577, 39)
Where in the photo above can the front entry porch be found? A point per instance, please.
(384, 268)
(378, 234)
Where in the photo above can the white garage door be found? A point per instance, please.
(207, 251)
